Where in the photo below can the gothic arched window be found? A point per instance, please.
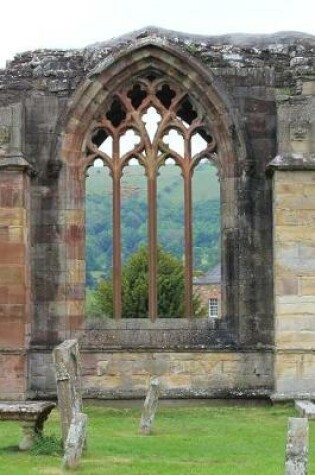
(152, 122)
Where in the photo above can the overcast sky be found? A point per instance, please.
(36, 24)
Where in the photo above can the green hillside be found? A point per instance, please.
(205, 181)
(206, 216)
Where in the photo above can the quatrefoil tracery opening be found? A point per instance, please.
(128, 142)
(151, 120)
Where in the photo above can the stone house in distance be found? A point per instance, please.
(252, 99)
(208, 287)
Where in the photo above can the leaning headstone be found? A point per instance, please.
(296, 459)
(150, 407)
(75, 442)
(67, 367)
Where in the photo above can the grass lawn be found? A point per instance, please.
(188, 440)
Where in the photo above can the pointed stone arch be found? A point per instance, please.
(147, 56)
(154, 54)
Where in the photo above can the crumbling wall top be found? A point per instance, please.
(59, 71)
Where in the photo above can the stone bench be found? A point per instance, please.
(305, 409)
(32, 416)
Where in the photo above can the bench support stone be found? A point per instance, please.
(32, 416)
(29, 434)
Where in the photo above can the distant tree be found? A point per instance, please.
(135, 288)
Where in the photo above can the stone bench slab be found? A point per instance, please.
(305, 409)
(31, 414)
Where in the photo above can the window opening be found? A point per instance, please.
(151, 120)
(128, 142)
(213, 307)
(116, 114)
(107, 146)
(134, 214)
(206, 232)
(166, 95)
(137, 95)
(198, 144)
(99, 136)
(170, 161)
(98, 237)
(175, 141)
(98, 163)
(170, 219)
(186, 111)
(163, 130)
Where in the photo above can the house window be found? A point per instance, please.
(213, 306)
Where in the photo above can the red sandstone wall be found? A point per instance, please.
(14, 283)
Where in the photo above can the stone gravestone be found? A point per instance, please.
(296, 460)
(150, 407)
(76, 440)
(73, 423)
(67, 367)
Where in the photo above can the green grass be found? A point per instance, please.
(192, 440)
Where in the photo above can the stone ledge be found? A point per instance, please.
(305, 408)
(16, 161)
(27, 410)
(290, 396)
(292, 162)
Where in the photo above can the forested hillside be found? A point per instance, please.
(206, 216)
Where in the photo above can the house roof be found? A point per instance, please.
(211, 277)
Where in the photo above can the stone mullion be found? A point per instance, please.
(151, 170)
(152, 247)
(117, 287)
(188, 272)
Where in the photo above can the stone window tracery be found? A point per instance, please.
(153, 122)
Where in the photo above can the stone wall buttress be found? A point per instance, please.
(294, 245)
(15, 286)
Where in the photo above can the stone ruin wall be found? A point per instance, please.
(265, 343)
